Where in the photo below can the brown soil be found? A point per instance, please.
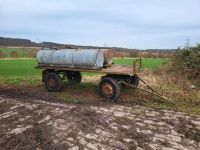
(74, 94)
(38, 136)
(67, 121)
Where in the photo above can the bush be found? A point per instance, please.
(2, 55)
(133, 54)
(32, 54)
(188, 60)
(14, 54)
(119, 54)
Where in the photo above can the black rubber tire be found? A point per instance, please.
(74, 77)
(135, 80)
(55, 79)
(115, 86)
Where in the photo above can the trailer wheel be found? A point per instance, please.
(109, 88)
(53, 82)
(135, 80)
(74, 77)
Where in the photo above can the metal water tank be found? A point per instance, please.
(74, 58)
(63, 57)
(44, 56)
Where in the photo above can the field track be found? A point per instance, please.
(39, 124)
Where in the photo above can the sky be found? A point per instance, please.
(142, 24)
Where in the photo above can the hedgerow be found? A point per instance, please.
(187, 58)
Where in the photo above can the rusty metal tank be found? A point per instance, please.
(90, 59)
(108, 57)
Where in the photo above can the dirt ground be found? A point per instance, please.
(39, 122)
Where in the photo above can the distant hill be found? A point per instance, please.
(9, 42)
(16, 42)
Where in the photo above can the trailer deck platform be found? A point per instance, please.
(114, 69)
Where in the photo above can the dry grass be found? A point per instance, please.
(176, 87)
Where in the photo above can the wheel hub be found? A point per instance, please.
(51, 82)
(107, 89)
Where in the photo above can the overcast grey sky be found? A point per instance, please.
(126, 23)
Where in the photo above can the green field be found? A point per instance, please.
(18, 70)
(25, 67)
(146, 62)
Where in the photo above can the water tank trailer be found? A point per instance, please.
(59, 65)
